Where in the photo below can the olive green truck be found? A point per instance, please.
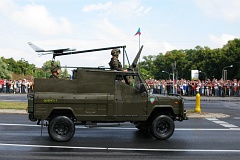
(101, 95)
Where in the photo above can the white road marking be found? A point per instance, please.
(234, 128)
(229, 125)
(128, 128)
(207, 129)
(119, 149)
(220, 122)
(212, 119)
(24, 125)
(223, 123)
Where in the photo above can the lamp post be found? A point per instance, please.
(223, 70)
(170, 79)
(167, 73)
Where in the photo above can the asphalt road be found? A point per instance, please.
(13, 97)
(197, 138)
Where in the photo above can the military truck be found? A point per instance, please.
(101, 95)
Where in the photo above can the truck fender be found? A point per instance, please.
(162, 110)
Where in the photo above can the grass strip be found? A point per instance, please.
(13, 105)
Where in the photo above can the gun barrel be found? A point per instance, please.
(90, 50)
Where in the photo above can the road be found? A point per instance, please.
(197, 138)
(13, 97)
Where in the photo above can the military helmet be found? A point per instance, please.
(115, 52)
(55, 68)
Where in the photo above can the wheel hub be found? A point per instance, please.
(162, 127)
(61, 128)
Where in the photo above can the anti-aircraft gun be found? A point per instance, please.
(101, 95)
(67, 51)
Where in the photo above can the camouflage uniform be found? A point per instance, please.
(115, 64)
(53, 76)
(54, 69)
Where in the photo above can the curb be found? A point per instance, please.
(207, 115)
(213, 100)
(223, 99)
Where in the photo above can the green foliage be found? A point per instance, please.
(64, 73)
(147, 66)
(19, 67)
(4, 72)
(23, 68)
(144, 73)
(209, 61)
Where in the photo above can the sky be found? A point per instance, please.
(89, 24)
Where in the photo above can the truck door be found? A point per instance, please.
(128, 99)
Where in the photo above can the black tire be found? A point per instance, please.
(162, 127)
(61, 129)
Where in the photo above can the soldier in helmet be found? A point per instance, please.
(55, 71)
(115, 64)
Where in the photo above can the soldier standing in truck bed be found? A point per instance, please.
(115, 64)
(55, 71)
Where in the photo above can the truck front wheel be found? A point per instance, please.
(61, 129)
(162, 127)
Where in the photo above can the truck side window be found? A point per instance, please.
(119, 78)
(133, 81)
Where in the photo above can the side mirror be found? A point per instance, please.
(142, 88)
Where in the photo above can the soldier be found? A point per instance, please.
(115, 64)
(55, 71)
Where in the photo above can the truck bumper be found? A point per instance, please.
(30, 97)
(185, 115)
(182, 116)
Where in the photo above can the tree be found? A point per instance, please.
(39, 73)
(20, 67)
(159, 65)
(65, 73)
(4, 73)
(147, 65)
(231, 52)
(209, 61)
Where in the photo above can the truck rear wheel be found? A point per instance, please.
(61, 129)
(162, 127)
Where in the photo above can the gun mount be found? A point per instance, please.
(66, 51)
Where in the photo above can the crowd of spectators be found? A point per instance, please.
(190, 88)
(183, 87)
(16, 86)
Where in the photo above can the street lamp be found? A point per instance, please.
(167, 73)
(170, 79)
(223, 70)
